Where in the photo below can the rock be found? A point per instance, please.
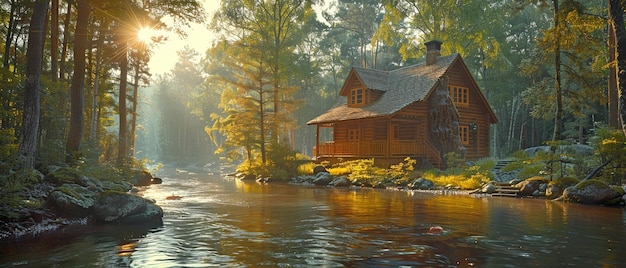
(489, 188)
(379, 185)
(263, 179)
(580, 149)
(141, 178)
(318, 169)
(553, 191)
(530, 185)
(157, 180)
(555, 188)
(73, 200)
(323, 178)
(64, 175)
(589, 192)
(421, 184)
(119, 186)
(340, 182)
(126, 208)
(303, 179)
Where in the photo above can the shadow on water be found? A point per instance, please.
(222, 222)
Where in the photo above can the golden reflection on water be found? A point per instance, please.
(126, 249)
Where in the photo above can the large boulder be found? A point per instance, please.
(117, 207)
(556, 187)
(589, 192)
(579, 149)
(73, 200)
(323, 178)
(340, 182)
(421, 184)
(141, 178)
(488, 188)
(318, 169)
(530, 186)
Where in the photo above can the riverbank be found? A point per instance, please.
(59, 197)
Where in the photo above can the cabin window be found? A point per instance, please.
(353, 135)
(357, 96)
(460, 95)
(464, 133)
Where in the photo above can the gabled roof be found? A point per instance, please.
(401, 87)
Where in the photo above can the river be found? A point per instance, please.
(221, 222)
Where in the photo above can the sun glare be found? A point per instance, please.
(146, 34)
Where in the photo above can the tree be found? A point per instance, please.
(188, 79)
(265, 32)
(617, 20)
(30, 122)
(77, 97)
(574, 43)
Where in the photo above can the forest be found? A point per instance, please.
(76, 86)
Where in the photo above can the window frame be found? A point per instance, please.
(354, 135)
(459, 95)
(357, 96)
(464, 132)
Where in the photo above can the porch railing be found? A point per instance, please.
(380, 148)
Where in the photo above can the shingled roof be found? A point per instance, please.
(401, 87)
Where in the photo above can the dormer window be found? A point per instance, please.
(460, 95)
(357, 97)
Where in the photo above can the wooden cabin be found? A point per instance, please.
(422, 111)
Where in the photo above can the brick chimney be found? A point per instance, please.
(433, 50)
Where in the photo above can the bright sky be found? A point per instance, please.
(198, 38)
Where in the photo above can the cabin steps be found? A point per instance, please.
(502, 163)
(499, 174)
(505, 189)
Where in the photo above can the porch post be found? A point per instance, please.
(317, 141)
(389, 137)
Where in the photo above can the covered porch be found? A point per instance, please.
(378, 148)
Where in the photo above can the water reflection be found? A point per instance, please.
(222, 222)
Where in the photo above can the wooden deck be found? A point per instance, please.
(379, 148)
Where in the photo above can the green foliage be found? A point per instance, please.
(282, 163)
(8, 144)
(454, 160)
(462, 181)
(306, 168)
(401, 172)
(365, 172)
(469, 177)
(610, 144)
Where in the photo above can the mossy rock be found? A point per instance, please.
(587, 183)
(64, 175)
(73, 200)
(591, 192)
(530, 186)
(564, 182)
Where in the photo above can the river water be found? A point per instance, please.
(221, 222)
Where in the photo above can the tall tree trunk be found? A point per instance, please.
(93, 134)
(133, 121)
(558, 118)
(66, 40)
(617, 18)
(123, 133)
(11, 31)
(77, 88)
(612, 83)
(30, 124)
(54, 41)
